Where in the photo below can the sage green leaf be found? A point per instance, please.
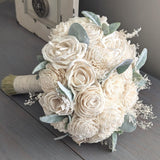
(119, 132)
(60, 137)
(129, 124)
(113, 143)
(105, 29)
(52, 118)
(39, 67)
(142, 59)
(124, 66)
(92, 16)
(40, 58)
(120, 69)
(69, 120)
(66, 91)
(114, 26)
(79, 32)
(138, 79)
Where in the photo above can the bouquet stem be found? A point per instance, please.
(12, 84)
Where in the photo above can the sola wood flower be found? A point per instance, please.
(109, 121)
(54, 103)
(60, 51)
(83, 128)
(49, 77)
(90, 102)
(80, 75)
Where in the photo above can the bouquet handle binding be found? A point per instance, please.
(13, 85)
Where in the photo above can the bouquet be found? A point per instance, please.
(87, 81)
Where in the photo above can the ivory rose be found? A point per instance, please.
(82, 128)
(80, 75)
(52, 103)
(90, 102)
(62, 50)
(49, 77)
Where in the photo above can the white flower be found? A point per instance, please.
(82, 128)
(80, 75)
(103, 19)
(54, 103)
(49, 77)
(94, 33)
(62, 29)
(90, 102)
(109, 121)
(114, 86)
(130, 95)
(62, 50)
(117, 49)
(98, 59)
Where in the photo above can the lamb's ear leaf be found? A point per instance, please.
(61, 137)
(142, 59)
(69, 120)
(79, 32)
(114, 26)
(113, 142)
(66, 91)
(129, 124)
(105, 29)
(123, 66)
(39, 67)
(52, 118)
(92, 16)
(139, 79)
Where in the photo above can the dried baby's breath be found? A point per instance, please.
(33, 97)
(144, 115)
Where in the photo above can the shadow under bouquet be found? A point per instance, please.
(87, 81)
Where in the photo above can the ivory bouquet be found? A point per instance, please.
(87, 81)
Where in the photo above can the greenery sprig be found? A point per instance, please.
(107, 29)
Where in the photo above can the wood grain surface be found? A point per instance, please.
(23, 136)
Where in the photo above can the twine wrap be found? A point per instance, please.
(12, 84)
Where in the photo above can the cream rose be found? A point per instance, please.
(94, 33)
(49, 77)
(82, 128)
(62, 50)
(54, 103)
(80, 75)
(90, 102)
